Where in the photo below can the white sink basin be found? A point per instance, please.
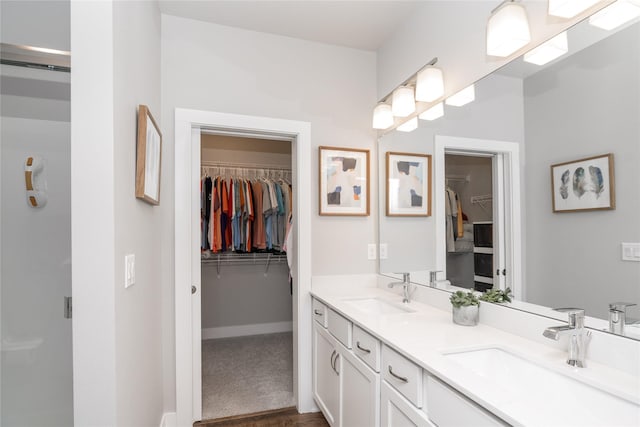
(571, 402)
(378, 306)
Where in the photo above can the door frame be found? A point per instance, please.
(510, 159)
(187, 247)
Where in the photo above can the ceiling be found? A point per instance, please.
(356, 24)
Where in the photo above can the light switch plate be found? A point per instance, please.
(631, 252)
(371, 251)
(129, 270)
(384, 251)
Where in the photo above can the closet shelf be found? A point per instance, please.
(234, 258)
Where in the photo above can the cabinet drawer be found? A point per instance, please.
(404, 375)
(319, 311)
(366, 347)
(339, 327)
(447, 407)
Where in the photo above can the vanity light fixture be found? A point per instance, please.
(402, 102)
(616, 14)
(507, 29)
(462, 97)
(382, 116)
(433, 113)
(569, 8)
(549, 50)
(409, 125)
(429, 83)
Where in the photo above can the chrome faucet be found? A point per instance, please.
(578, 336)
(433, 278)
(406, 283)
(617, 316)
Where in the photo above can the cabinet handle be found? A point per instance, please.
(317, 312)
(335, 362)
(366, 350)
(398, 377)
(332, 361)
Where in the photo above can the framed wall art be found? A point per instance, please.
(344, 181)
(583, 185)
(408, 182)
(148, 157)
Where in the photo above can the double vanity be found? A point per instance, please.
(380, 362)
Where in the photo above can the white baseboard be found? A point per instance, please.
(169, 419)
(245, 330)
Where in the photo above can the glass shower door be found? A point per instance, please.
(35, 231)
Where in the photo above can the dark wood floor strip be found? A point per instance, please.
(287, 417)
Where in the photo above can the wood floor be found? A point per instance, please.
(288, 417)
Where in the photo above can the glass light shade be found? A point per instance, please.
(429, 84)
(402, 102)
(382, 116)
(569, 8)
(433, 113)
(409, 125)
(463, 97)
(507, 30)
(549, 50)
(614, 15)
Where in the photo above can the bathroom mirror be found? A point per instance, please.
(583, 104)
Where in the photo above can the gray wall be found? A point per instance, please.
(217, 68)
(587, 104)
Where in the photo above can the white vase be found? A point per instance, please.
(466, 315)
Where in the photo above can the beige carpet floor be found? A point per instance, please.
(247, 374)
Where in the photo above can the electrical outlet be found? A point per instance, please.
(371, 251)
(129, 270)
(384, 251)
(631, 251)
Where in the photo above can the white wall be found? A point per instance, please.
(454, 31)
(138, 225)
(117, 332)
(496, 114)
(36, 23)
(588, 104)
(217, 68)
(92, 156)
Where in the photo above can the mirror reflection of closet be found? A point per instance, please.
(468, 180)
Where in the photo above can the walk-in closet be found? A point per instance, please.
(469, 218)
(246, 300)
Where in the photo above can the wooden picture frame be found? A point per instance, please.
(148, 157)
(583, 185)
(408, 184)
(344, 181)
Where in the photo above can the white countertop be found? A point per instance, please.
(426, 334)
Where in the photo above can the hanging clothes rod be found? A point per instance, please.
(212, 164)
(481, 199)
(209, 259)
(458, 178)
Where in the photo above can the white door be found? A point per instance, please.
(326, 380)
(196, 274)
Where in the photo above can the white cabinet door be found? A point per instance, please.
(326, 382)
(396, 411)
(360, 392)
(448, 408)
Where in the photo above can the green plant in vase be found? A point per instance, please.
(465, 307)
